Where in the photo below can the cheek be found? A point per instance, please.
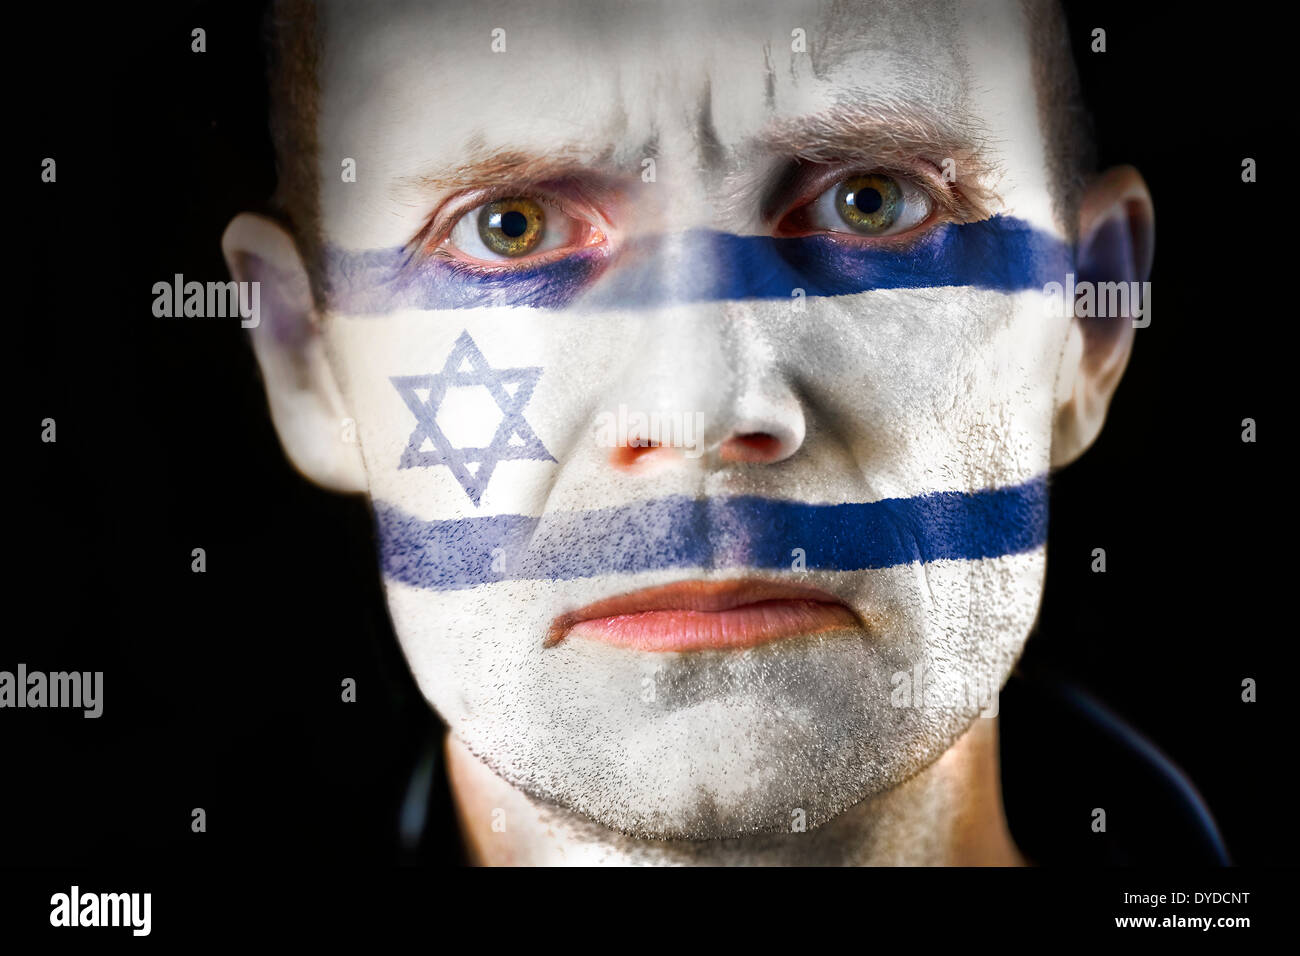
(467, 412)
(938, 388)
(904, 392)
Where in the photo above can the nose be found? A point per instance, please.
(761, 444)
(702, 378)
(702, 382)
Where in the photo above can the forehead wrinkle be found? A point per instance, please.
(486, 165)
(769, 79)
(888, 52)
(920, 30)
(710, 147)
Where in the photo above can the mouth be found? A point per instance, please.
(705, 615)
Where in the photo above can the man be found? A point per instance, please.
(705, 386)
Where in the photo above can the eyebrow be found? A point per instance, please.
(486, 169)
(888, 132)
(883, 130)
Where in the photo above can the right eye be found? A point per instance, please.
(518, 227)
(866, 205)
(872, 204)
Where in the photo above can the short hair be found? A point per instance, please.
(293, 52)
(293, 49)
(1062, 113)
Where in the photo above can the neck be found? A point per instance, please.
(950, 814)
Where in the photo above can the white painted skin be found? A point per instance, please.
(877, 395)
(895, 394)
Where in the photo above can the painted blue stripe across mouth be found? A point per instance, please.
(709, 533)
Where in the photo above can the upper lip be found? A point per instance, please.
(689, 596)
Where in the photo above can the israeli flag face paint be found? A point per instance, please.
(823, 594)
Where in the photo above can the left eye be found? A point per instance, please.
(870, 204)
(516, 228)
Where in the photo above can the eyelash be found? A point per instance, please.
(433, 240)
(948, 204)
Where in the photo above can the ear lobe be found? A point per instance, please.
(306, 405)
(1116, 245)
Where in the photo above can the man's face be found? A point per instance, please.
(556, 231)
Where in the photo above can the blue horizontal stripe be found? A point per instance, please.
(1001, 253)
(682, 532)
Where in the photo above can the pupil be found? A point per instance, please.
(514, 223)
(867, 200)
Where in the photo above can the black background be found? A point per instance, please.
(222, 690)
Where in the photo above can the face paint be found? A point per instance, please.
(1001, 253)
(512, 440)
(910, 391)
(711, 534)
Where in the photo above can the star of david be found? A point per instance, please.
(510, 388)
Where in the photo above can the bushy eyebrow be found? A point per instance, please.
(574, 172)
(882, 130)
(510, 167)
(890, 134)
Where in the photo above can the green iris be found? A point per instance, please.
(511, 227)
(869, 204)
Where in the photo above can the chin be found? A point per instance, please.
(775, 739)
(715, 744)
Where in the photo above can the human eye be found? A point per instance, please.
(519, 229)
(868, 204)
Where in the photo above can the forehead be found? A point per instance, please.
(410, 86)
(614, 56)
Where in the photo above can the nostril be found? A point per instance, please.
(625, 456)
(752, 447)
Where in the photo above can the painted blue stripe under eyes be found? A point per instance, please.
(736, 532)
(1001, 253)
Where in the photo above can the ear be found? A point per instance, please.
(1116, 244)
(306, 404)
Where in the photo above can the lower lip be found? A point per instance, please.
(732, 629)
